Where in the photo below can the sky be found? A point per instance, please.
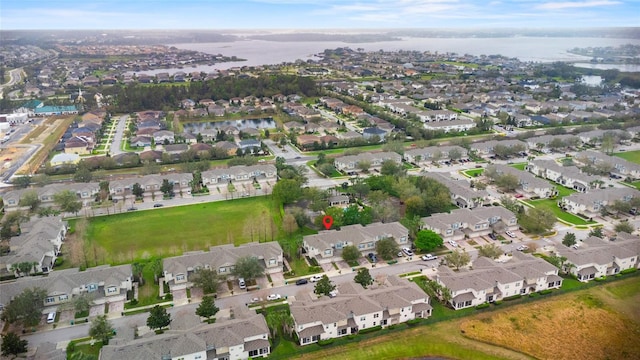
(315, 14)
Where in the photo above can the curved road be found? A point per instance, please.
(15, 76)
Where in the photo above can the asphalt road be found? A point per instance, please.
(15, 76)
(116, 142)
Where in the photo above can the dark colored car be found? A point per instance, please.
(493, 236)
(158, 205)
(301, 281)
(132, 209)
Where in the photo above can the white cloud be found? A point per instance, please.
(576, 4)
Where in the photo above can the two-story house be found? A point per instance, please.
(567, 176)
(590, 204)
(462, 194)
(437, 154)
(470, 223)
(352, 163)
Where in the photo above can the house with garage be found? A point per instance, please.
(178, 269)
(435, 154)
(620, 167)
(463, 224)
(595, 258)
(527, 182)
(489, 281)
(164, 137)
(351, 163)
(389, 302)
(240, 337)
(591, 204)
(462, 194)
(105, 284)
(568, 176)
(326, 246)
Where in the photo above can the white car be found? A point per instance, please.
(407, 251)
(511, 234)
(453, 243)
(429, 257)
(315, 278)
(274, 297)
(256, 300)
(522, 248)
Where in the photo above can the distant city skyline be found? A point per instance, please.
(315, 14)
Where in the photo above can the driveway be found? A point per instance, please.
(96, 310)
(116, 308)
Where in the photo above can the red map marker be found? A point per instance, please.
(327, 221)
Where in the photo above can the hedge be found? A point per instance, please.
(369, 330)
(545, 291)
(628, 271)
(514, 297)
(325, 342)
(482, 306)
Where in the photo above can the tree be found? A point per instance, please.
(13, 345)
(206, 279)
(620, 206)
(207, 307)
(287, 191)
(101, 329)
(68, 201)
(248, 267)
(363, 277)
(458, 259)
(350, 253)
(597, 232)
(278, 320)
(22, 182)
(289, 224)
(364, 165)
(158, 318)
(491, 251)
(537, 220)
(428, 240)
(82, 303)
(390, 167)
(507, 182)
(624, 226)
(387, 248)
(26, 307)
(82, 174)
(569, 239)
(30, 199)
(137, 190)
(326, 169)
(167, 188)
(324, 286)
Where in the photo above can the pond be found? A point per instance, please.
(196, 127)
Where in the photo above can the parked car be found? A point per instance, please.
(407, 251)
(333, 294)
(372, 257)
(453, 243)
(522, 248)
(400, 254)
(493, 236)
(158, 205)
(429, 257)
(301, 281)
(510, 233)
(315, 278)
(274, 297)
(256, 300)
(51, 317)
(132, 209)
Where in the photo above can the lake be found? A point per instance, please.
(196, 127)
(261, 52)
(620, 67)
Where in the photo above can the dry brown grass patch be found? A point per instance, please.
(576, 326)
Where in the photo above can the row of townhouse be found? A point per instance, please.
(452, 125)
(462, 194)
(86, 193)
(105, 284)
(590, 204)
(567, 176)
(427, 155)
(490, 281)
(620, 166)
(239, 173)
(546, 143)
(466, 223)
(222, 259)
(354, 308)
(486, 148)
(39, 244)
(527, 182)
(350, 163)
(326, 246)
(151, 184)
(595, 257)
(243, 337)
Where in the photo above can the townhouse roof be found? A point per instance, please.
(601, 252)
(356, 234)
(428, 152)
(380, 156)
(64, 281)
(220, 256)
(568, 172)
(608, 195)
(524, 177)
(467, 216)
(489, 145)
(461, 188)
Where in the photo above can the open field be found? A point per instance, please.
(583, 325)
(601, 322)
(170, 231)
(633, 156)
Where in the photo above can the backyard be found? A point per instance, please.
(552, 204)
(171, 231)
(633, 156)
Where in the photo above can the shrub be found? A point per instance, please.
(533, 295)
(499, 302)
(350, 336)
(628, 271)
(514, 297)
(369, 330)
(482, 306)
(325, 342)
(414, 321)
(602, 278)
(545, 292)
(168, 297)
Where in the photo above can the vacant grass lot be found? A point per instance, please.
(171, 231)
(583, 325)
(633, 156)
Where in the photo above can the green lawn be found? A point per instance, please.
(519, 166)
(564, 191)
(473, 172)
(633, 156)
(562, 215)
(171, 231)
